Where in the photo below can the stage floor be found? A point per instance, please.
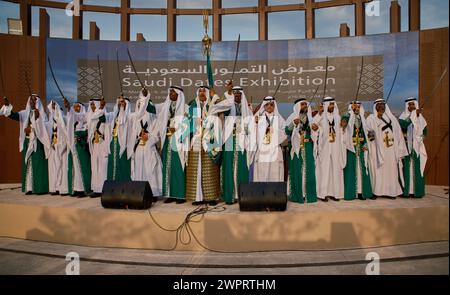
(321, 225)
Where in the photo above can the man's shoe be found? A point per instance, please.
(180, 201)
(212, 203)
(169, 200)
(324, 199)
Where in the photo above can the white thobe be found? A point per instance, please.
(330, 160)
(58, 159)
(269, 163)
(146, 163)
(384, 162)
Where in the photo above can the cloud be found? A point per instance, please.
(328, 20)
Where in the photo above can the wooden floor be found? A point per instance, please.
(436, 196)
(321, 225)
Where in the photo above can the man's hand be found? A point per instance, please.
(27, 130)
(418, 112)
(102, 103)
(36, 114)
(66, 103)
(314, 127)
(144, 136)
(296, 121)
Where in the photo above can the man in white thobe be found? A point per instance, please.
(145, 160)
(98, 145)
(387, 151)
(269, 162)
(58, 153)
(331, 153)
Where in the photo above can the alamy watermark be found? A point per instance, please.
(373, 8)
(73, 8)
(73, 267)
(373, 267)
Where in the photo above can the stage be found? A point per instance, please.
(319, 226)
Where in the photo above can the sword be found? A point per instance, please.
(118, 72)
(100, 74)
(134, 68)
(54, 78)
(326, 76)
(276, 90)
(236, 57)
(360, 77)
(278, 87)
(435, 87)
(393, 83)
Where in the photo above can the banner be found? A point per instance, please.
(300, 65)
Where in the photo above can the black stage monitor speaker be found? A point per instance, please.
(263, 196)
(127, 194)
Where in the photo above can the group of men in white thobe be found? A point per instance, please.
(155, 142)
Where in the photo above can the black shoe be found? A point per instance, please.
(212, 203)
(28, 193)
(169, 200)
(390, 197)
(154, 199)
(360, 197)
(411, 196)
(324, 199)
(80, 195)
(196, 203)
(95, 195)
(373, 197)
(334, 199)
(180, 201)
(229, 203)
(63, 195)
(54, 194)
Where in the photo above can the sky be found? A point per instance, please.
(281, 25)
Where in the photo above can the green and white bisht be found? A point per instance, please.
(145, 160)
(239, 139)
(34, 147)
(301, 185)
(174, 147)
(270, 134)
(79, 157)
(117, 125)
(356, 172)
(331, 153)
(415, 130)
(98, 146)
(387, 151)
(58, 154)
